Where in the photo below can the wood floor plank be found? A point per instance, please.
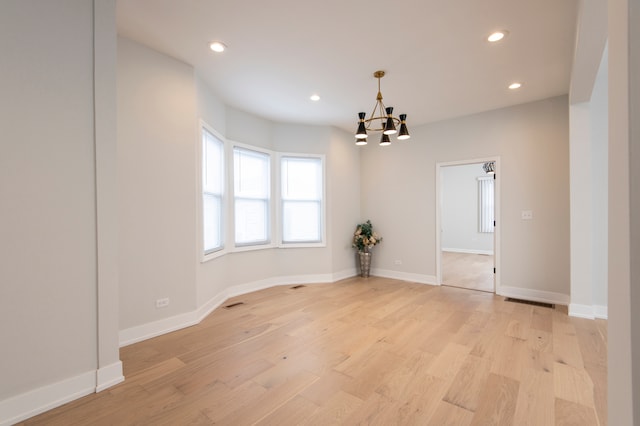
(294, 412)
(598, 375)
(566, 346)
(252, 411)
(536, 399)
(509, 358)
(448, 414)
(498, 402)
(465, 390)
(334, 411)
(360, 351)
(395, 386)
(569, 413)
(448, 363)
(572, 384)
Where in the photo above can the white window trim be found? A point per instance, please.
(228, 199)
(272, 216)
(323, 213)
(205, 257)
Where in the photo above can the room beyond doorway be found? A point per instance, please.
(467, 270)
(467, 236)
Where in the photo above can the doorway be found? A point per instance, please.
(467, 219)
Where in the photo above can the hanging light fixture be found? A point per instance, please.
(489, 168)
(381, 120)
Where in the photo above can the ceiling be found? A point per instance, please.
(438, 62)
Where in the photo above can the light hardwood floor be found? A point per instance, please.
(466, 270)
(361, 351)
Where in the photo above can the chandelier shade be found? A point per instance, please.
(381, 120)
(390, 126)
(362, 131)
(384, 140)
(403, 134)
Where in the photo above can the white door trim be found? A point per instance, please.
(496, 234)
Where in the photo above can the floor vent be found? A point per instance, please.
(295, 287)
(233, 305)
(529, 302)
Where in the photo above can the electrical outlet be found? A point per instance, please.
(527, 214)
(161, 303)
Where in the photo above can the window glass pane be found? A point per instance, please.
(302, 204)
(212, 191)
(251, 172)
(213, 164)
(252, 189)
(251, 223)
(301, 178)
(301, 221)
(212, 222)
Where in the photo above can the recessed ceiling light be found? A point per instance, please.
(217, 46)
(497, 36)
(514, 86)
(314, 97)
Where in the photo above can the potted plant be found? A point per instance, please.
(364, 239)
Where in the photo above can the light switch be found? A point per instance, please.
(527, 214)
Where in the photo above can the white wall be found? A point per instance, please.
(459, 185)
(398, 192)
(599, 183)
(157, 171)
(588, 171)
(161, 103)
(54, 115)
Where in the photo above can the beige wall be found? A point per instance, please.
(624, 214)
(398, 191)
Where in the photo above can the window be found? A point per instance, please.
(212, 191)
(251, 171)
(302, 199)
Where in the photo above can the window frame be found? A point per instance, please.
(280, 202)
(222, 249)
(269, 243)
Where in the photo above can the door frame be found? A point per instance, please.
(496, 207)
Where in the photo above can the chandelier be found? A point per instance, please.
(489, 167)
(381, 120)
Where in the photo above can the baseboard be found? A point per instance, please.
(469, 251)
(343, 275)
(581, 311)
(36, 401)
(588, 311)
(533, 295)
(109, 376)
(166, 325)
(405, 276)
(601, 312)
(149, 330)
